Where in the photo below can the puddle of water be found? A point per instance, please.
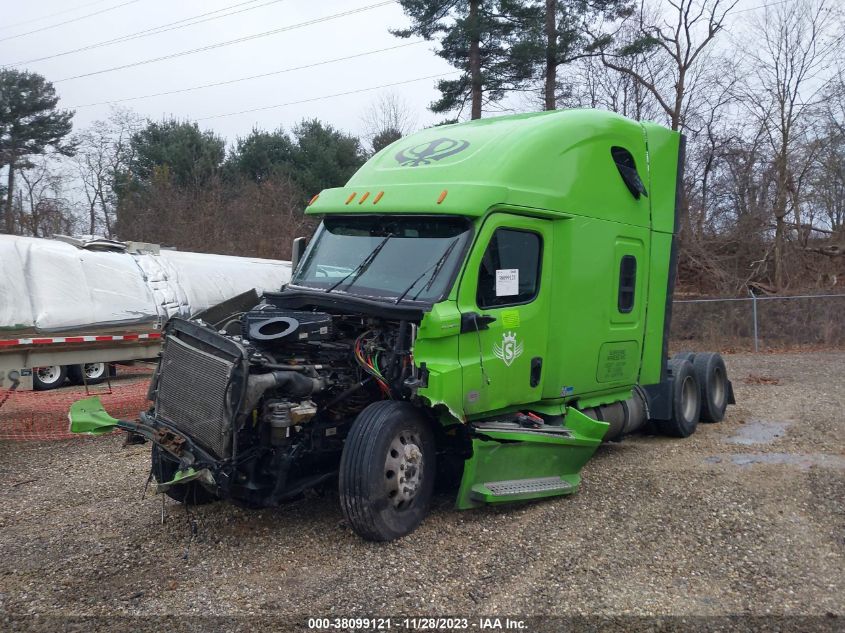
(802, 460)
(758, 432)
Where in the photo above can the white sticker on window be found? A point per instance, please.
(507, 282)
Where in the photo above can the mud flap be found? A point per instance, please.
(519, 464)
(88, 416)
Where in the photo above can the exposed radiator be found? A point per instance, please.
(192, 394)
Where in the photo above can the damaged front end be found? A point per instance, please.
(255, 408)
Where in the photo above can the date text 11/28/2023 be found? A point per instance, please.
(416, 623)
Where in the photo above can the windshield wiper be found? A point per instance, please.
(436, 266)
(361, 268)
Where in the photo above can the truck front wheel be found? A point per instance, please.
(387, 471)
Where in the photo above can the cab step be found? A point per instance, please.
(533, 488)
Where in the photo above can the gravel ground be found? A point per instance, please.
(744, 517)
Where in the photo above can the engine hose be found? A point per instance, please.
(292, 383)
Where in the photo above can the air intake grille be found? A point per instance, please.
(192, 394)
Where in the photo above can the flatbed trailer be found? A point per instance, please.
(69, 307)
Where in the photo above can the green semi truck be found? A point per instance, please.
(482, 304)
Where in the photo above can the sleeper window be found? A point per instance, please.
(627, 283)
(510, 269)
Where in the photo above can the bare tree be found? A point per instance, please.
(103, 155)
(663, 49)
(41, 205)
(388, 118)
(790, 49)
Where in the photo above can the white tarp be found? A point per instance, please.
(53, 286)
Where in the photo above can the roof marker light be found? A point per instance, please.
(378, 197)
(442, 196)
(351, 197)
(314, 199)
(364, 197)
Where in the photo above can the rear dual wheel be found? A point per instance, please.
(88, 373)
(714, 387)
(387, 471)
(686, 400)
(48, 377)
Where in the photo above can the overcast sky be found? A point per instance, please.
(28, 33)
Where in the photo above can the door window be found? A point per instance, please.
(510, 269)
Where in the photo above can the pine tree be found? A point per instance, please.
(559, 37)
(482, 39)
(30, 125)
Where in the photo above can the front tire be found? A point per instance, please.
(48, 377)
(387, 471)
(192, 493)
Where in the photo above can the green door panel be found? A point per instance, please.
(496, 360)
(618, 362)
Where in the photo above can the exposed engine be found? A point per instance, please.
(295, 382)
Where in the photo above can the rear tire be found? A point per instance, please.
(686, 400)
(48, 377)
(387, 471)
(90, 373)
(192, 493)
(690, 356)
(712, 376)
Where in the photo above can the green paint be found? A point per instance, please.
(187, 475)
(551, 174)
(508, 456)
(88, 416)
(510, 318)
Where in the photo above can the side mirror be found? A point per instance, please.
(296, 252)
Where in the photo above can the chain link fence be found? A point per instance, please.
(759, 323)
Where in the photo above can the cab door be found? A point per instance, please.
(504, 307)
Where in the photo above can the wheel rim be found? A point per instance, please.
(719, 389)
(403, 469)
(94, 370)
(689, 398)
(49, 374)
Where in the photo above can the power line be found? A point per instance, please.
(51, 15)
(240, 79)
(332, 96)
(156, 30)
(229, 42)
(58, 24)
(762, 6)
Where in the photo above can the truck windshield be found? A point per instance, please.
(382, 256)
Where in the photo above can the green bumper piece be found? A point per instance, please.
(187, 475)
(514, 465)
(89, 417)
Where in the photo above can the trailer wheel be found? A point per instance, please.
(712, 376)
(387, 471)
(192, 493)
(686, 400)
(48, 377)
(90, 373)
